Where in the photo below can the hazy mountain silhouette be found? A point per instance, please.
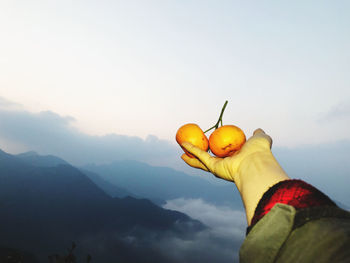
(44, 208)
(163, 183)
(110, 188)
(35, 159)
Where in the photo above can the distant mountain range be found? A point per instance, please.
(45, 204)
(140, 180)
(162, 183)
(34, 159)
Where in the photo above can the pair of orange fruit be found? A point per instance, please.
(223, 141)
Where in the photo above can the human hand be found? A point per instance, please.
(253, 168)
(228, 168)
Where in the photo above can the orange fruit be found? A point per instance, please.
(226, 140)
(192, 133)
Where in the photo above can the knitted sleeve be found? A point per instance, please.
(296, 193)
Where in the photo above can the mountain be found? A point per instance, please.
(139, 180)
(35, 159)
(162, 183)
(44, 209)
(109, 188)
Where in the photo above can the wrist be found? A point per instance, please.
(256, 174)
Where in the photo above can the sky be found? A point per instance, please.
(141, 68)
(95, 81)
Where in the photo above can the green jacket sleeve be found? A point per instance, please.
(316, 234)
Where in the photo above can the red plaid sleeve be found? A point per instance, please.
(296, 193)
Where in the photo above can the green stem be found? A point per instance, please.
(220, 118)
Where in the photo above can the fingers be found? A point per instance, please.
(202, 157)
(259, 130)
(199, 153)
(259, 133)
(194, 162)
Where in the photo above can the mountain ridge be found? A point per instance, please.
(164, 183)
(44, 208)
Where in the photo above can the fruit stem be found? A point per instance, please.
(220, 118)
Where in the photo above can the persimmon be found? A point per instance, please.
(192, 133)
(226, 140)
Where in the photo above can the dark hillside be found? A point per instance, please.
(44, 209)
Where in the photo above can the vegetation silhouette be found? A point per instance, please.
(69, 258)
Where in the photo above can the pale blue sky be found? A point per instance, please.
(147, 67)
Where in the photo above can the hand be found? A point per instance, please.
(253, 168)
(227, 168)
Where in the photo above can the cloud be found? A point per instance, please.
(49, 133)
(325, 166)
(185, 242)
(340, 111)
(223, 220)
(219, 243)
(9, 105)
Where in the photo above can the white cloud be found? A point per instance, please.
(223, 220)
(226, 228)
(49, 133)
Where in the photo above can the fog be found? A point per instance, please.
(324, 165)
